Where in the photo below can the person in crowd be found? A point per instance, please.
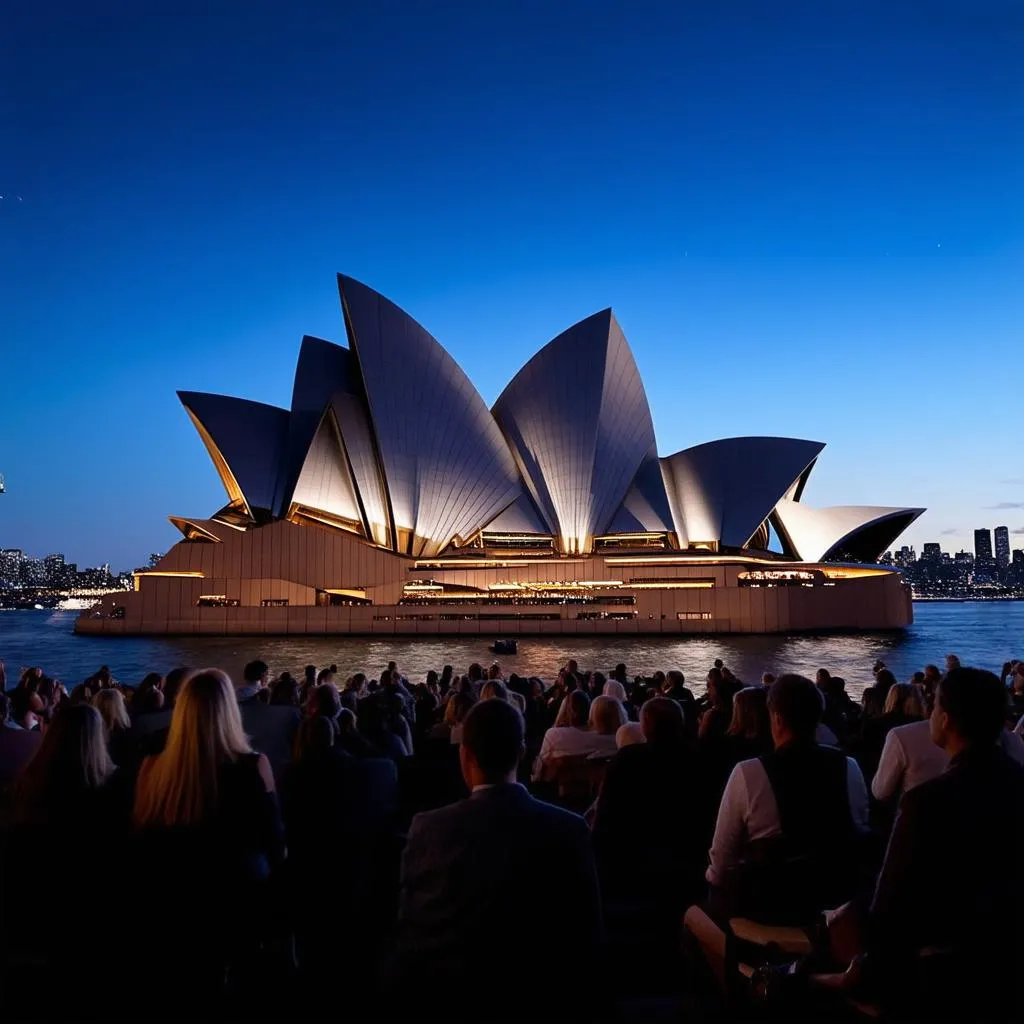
(606, 717)
(455, 710)
(652, 810)
(767, 678)
(717, 716)
(628, 734)
(613, 688)
(902, 707)
(952, 662)
(150, 725)
(675, 688)
(25, 710)
(937, 889)
(17, 745)
(874, 696)
(477, 876)
(445, 682)
(121, 742)
(382, 723)
(910, 757)
(841, 714)
(285, 692)
(208, 825)
(810, 799)
(750, 732)
(1013, 677)
(69, 783)
(574, 737)
(270, 728)
(340, 810)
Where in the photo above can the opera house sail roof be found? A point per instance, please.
(388, 439)
(388, 497)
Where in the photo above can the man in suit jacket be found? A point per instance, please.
(942, 884)
(485, 879)
(271, 728)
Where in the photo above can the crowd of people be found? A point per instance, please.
(486, 845)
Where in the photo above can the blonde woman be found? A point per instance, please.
(904, 699)
(110, 704)
(69, 780)
(209, 786)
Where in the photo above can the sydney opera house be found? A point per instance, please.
(388, 499)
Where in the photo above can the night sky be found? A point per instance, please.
(808, 218)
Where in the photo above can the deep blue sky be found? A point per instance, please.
(807, 217)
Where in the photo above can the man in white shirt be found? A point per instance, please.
(910, 757)
(820, 790)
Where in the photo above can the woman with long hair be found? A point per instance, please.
(207, 774)
(116, 725)
(750, 732)
(66, 781)
(207, 820)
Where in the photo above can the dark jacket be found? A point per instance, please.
(944, 884)
(271, 729)
(485, 876)
(656, 811)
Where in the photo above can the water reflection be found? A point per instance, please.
(982, 633)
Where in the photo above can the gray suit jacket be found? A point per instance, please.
(482, 881)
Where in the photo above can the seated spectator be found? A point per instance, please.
(675, 688)
(902, 707)
(628, 734)
(339, 810)
(750, 731)
(607, 716)
(495, 688)
(579, 737)
(651, 812)
(117, 725)
(25, 710)
(349, 738)
(455, 710)
(285, 692)
(17, 745)
(69, 806)
(478, 875)
(70, 783)
(270, 728)
(910, 757)
(874, 696)
(937, 888)
(809, 800)
(209, 828)
(378, 718)
(613, 688)
(717, 716)
(841, 714)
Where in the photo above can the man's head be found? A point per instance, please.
(794, 707)
(256, 673)
(952, 662)
(661, 720)
(821, 677)
(492, 743)
(970, 710)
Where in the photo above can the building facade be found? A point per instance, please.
(389, 499)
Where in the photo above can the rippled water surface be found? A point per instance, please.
(984, 633)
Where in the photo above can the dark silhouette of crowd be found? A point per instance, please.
(489, 846)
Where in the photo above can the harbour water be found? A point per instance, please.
(982, 633)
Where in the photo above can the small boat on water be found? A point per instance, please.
(504, 647)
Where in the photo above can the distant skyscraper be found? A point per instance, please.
(931, 553)
(1002, 548)
(982, 545)
(10, 567)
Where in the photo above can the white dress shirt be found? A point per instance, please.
(566, 740)
(908, 758)
(749, 812)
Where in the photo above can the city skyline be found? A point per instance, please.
(820, 261)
